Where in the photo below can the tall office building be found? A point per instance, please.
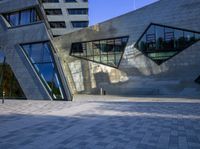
(66, 16)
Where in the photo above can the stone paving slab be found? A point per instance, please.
(131, 124)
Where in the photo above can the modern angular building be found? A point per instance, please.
(153, 51)
(30, 67)
(66, 16)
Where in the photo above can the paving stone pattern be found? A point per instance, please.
(136, 124)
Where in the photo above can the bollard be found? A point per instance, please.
(101, 91)
(3, 97)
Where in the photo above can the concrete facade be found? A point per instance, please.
(137, 74)
(65, 16)
(12, 37)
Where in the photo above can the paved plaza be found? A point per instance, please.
(114, 124)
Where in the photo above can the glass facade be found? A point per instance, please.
(198, 80)
(105, 51)
(40, 55)
(8, 82)
(160, 43)
(22, 17)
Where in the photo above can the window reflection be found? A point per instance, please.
(105, 51)
(160, 43)
(22, 17)
(8, 82)
(42, 60)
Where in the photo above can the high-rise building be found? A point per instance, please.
(153, 51)
(66, 16)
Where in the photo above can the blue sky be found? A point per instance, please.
(101, 10)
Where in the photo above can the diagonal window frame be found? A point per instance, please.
(52, 62)
(33, 12)
(99, 41)
(165, 26)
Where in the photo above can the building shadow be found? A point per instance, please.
(117, 124)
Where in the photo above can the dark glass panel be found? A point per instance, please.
(22, 17)
(198, 80)
(39, 53)
(105, 51)
(77, 48)
(9, 84)
(46, 71)
(43, 62)
(142, 44)
(159, 38)
(25, 17)
(197, 36)
(33, 16)
(56, 88)
(168, 43)
(189, 38)
(78, 11)
(50, 1)
(179, 39)
(161, 43)
(14, 19)
(151, 38)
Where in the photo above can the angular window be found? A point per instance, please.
(106, 51)
(22, 17)
(8, 82)
(40, 55)
(160, 43)
(198, 80)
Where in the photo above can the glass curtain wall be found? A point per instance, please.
(106, 51)
(40, 55)
(160, 43)
(22, 17)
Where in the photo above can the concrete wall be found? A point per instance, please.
(137, 74)
(11, 37)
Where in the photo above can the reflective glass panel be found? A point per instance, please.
(9, 84)
(106, 51)
(22, 17)
(160, 43)
(14, 19)
(41, 57)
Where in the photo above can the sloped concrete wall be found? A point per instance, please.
(137, 74)
(11, 37)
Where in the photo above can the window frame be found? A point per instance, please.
(19, 11)
(164, 26)
(52, 50)
(100, 56)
